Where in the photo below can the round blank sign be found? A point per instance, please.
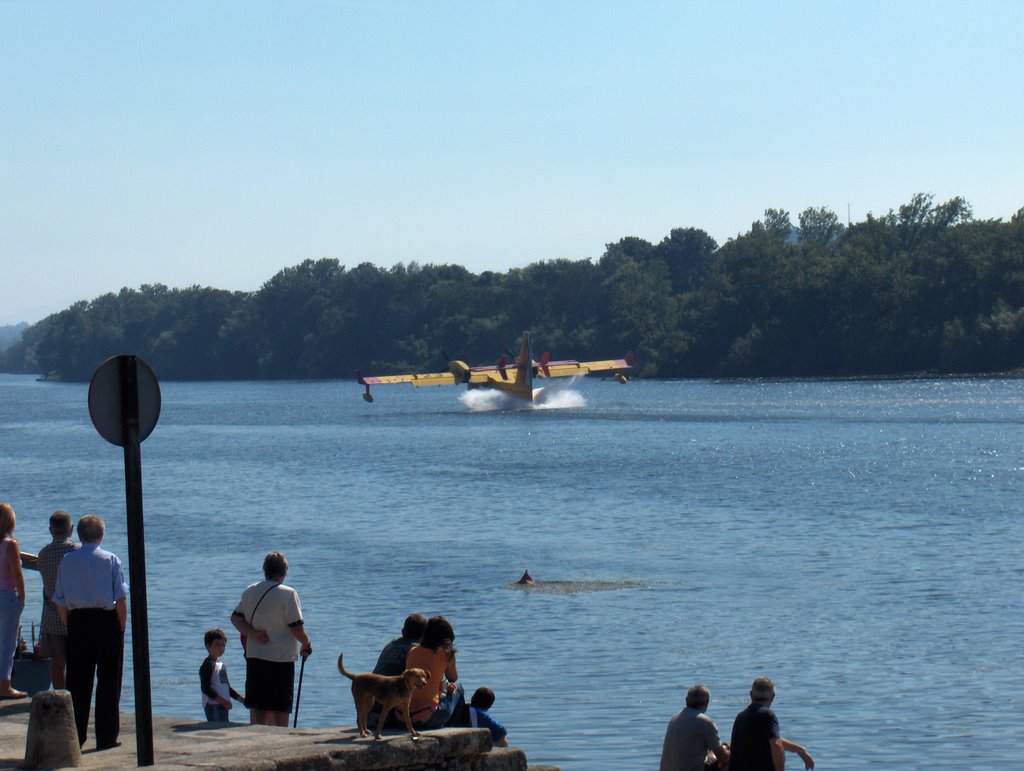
(105, 399)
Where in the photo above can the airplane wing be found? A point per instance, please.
(459, 373)
(424, 379)
(571, 368)
(466, 375)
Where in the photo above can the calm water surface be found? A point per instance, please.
(859, 542)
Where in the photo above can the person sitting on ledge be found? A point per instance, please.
(756, 744)
(483, 700)
(434, 705)
(391, 662)
(691, 739)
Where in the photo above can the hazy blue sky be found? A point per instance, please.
(215, 143)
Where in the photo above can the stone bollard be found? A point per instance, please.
(52, 740)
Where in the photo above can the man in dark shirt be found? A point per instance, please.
(392, 662)
(756, 744)
(392, 659)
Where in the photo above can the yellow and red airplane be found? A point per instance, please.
(514, 379)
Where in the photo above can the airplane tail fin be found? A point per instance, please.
(524, 364)
(630, 363)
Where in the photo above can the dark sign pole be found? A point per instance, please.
(124, 404)
(136, 558)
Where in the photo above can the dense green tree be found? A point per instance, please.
(688, 254)
(819, 228)
(776, 223)
(923, 288)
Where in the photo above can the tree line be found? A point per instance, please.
(925, 288)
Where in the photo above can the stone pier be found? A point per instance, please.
(181, 745)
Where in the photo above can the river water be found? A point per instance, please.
(859, 542)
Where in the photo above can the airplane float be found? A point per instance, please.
(514, 379)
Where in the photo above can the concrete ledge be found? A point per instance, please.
(185, 745)
(501, 759)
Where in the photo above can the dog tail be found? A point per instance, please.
(341, 667)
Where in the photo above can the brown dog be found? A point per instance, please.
(391, 692)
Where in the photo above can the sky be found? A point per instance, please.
(215, 143)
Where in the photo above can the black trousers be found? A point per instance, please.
(95, 649)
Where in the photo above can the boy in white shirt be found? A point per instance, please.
(213, 679)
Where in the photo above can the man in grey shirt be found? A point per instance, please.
(691, 739)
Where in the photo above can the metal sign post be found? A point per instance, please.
(124, 403)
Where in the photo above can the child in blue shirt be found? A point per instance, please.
(482, 700)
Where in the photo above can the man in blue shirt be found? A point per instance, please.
(91, 598)
(756, 744)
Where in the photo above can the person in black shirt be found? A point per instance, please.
(756, 744)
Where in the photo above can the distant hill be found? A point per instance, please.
(10, 334)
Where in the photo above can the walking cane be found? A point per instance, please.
(298, 696)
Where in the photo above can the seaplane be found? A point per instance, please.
(515, 379)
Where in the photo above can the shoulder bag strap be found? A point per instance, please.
(253, 616)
